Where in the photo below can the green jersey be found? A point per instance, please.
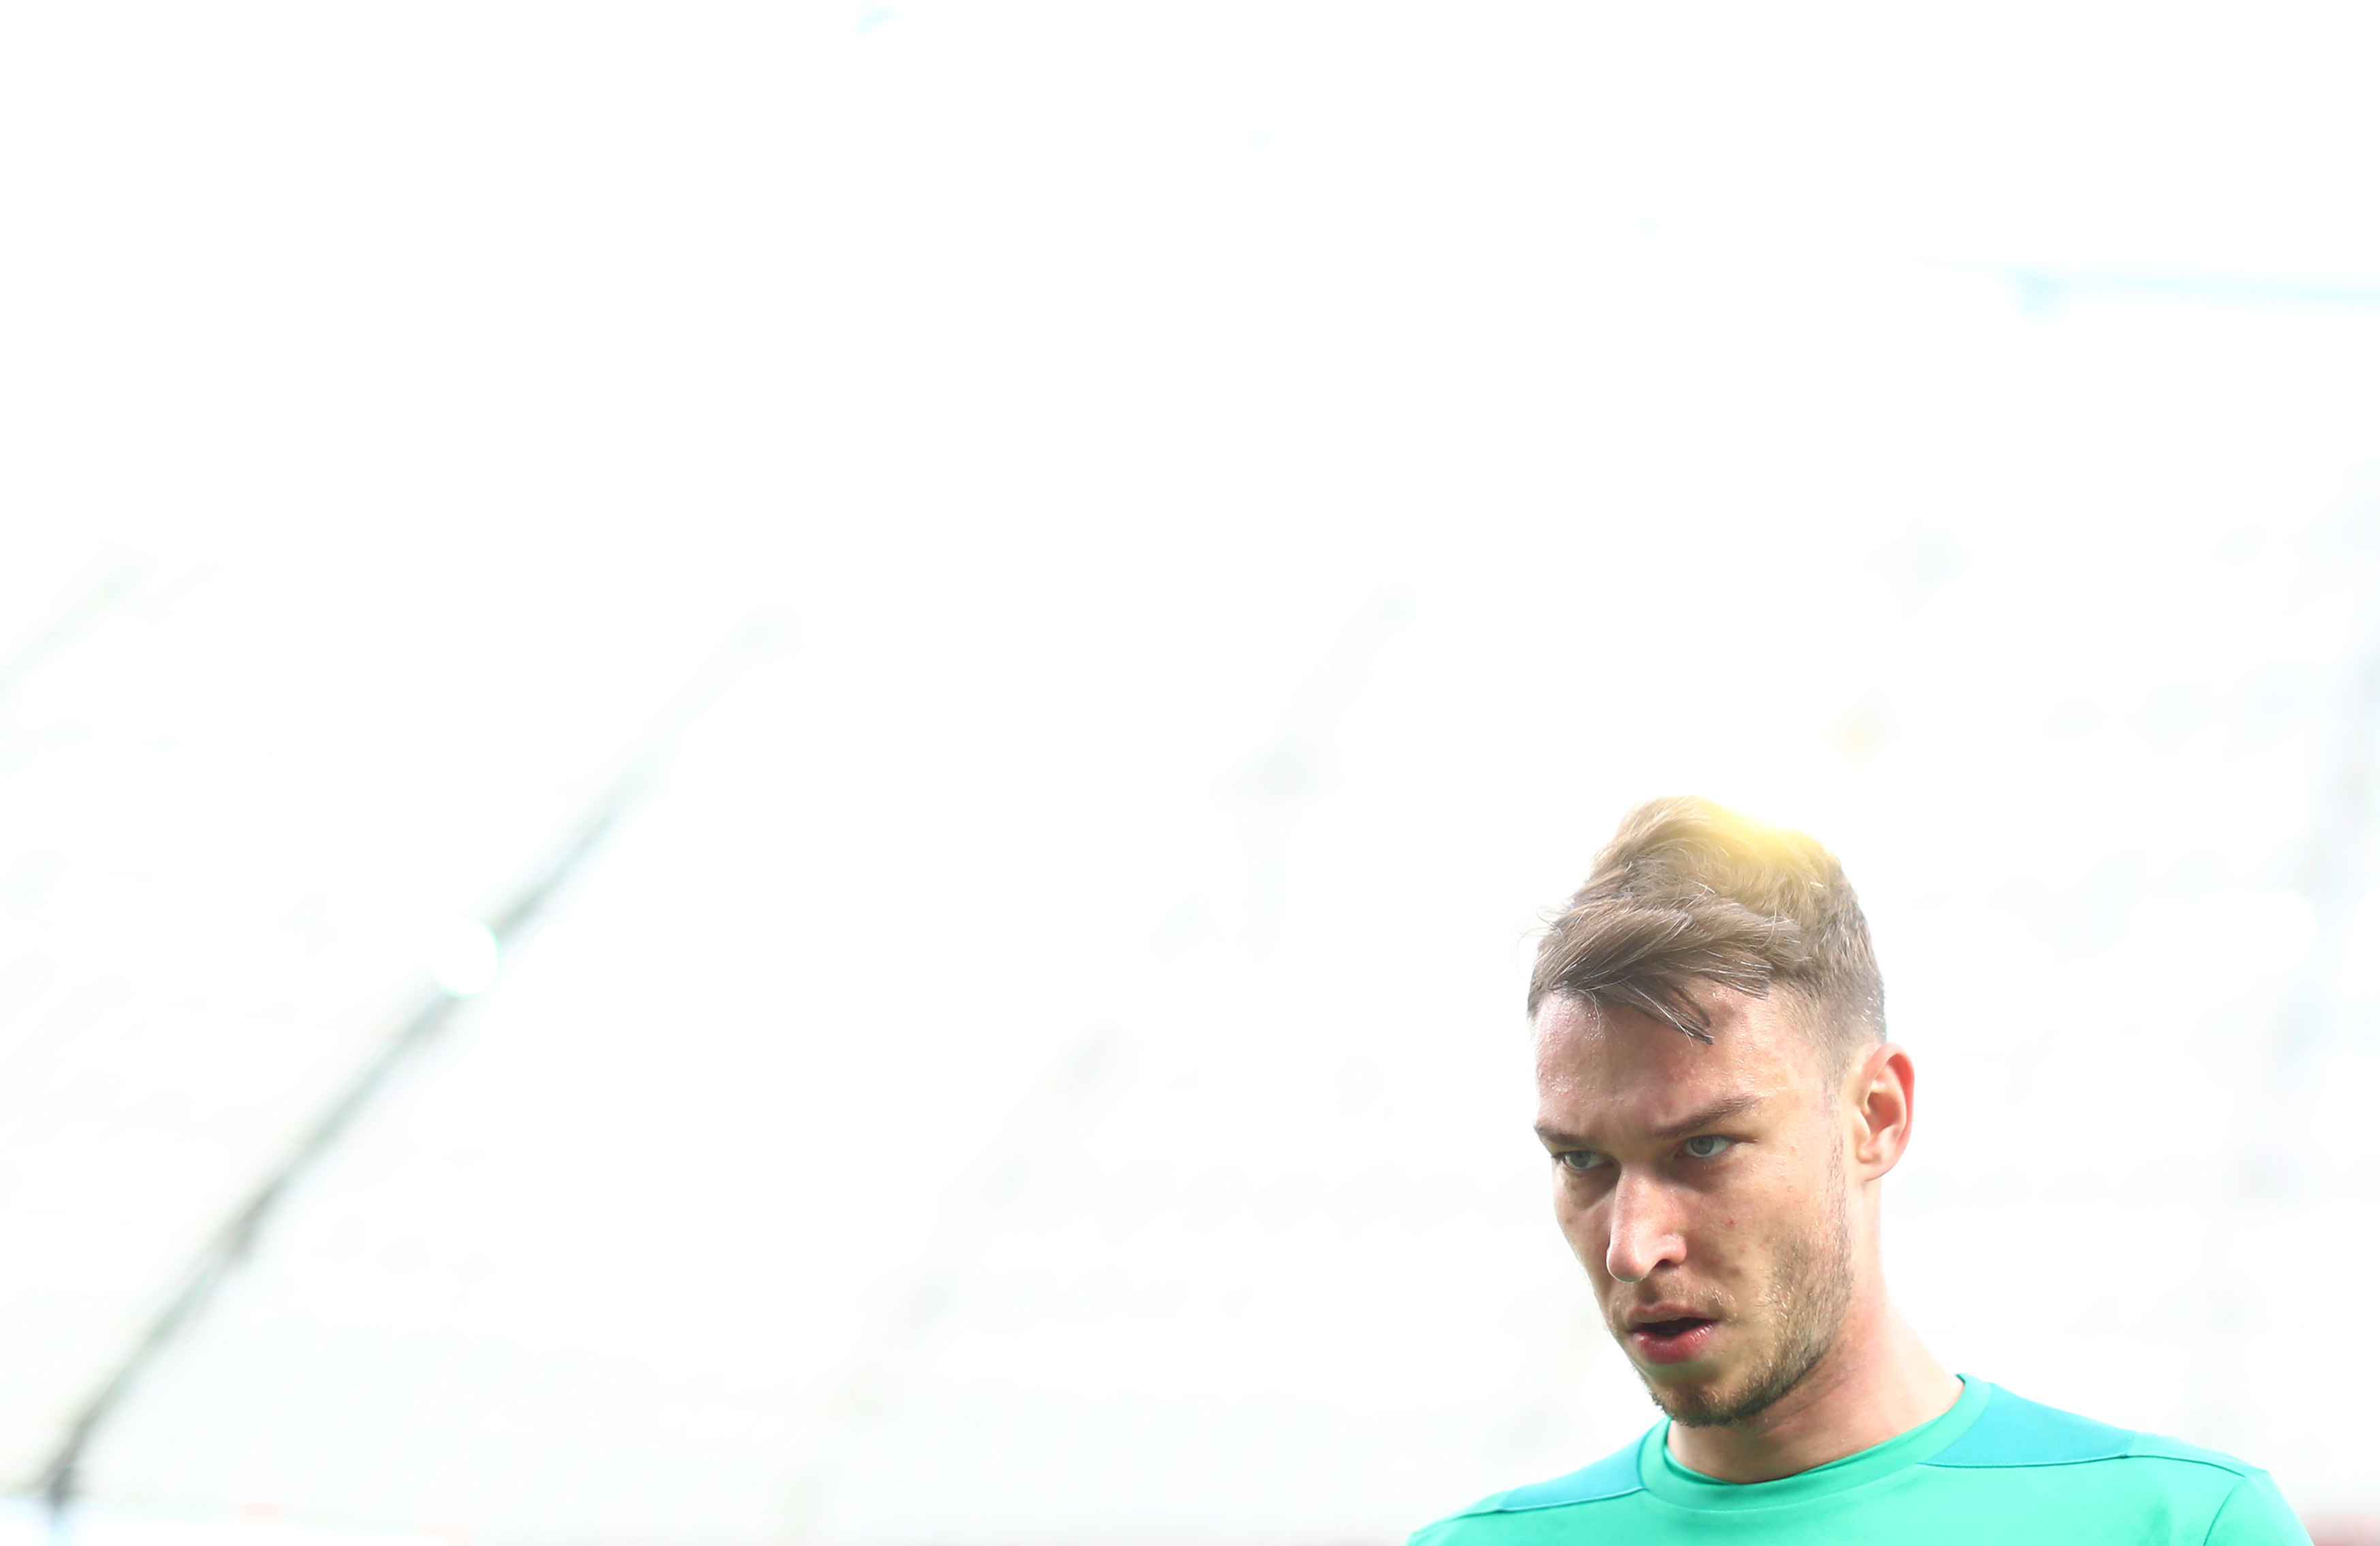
(1993, 1469)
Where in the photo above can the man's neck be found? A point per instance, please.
(1876, 1382)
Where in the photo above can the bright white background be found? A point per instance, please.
(1153, 543)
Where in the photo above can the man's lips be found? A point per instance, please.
(1666, 1336)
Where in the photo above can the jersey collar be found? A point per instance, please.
(1671, 1483)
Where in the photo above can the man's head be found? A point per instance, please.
(1719, 1102)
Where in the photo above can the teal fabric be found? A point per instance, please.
(1608, 1478)
(1994, 1468)
(2021, 1432)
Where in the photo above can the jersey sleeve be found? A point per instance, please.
(2256, 1514)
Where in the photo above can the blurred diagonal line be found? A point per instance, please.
(873, 1385)
(102, 584)
(1284, 775)
(1271, 790)
(1286, 770)
(232, 1242)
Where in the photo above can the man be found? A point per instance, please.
(1721, 1108)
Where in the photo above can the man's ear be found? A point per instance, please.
(1882, 1091)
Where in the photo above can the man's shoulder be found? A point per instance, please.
(2082, 1469)
(2014, 1433)
(1501, 1517)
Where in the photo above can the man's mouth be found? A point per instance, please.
(1673, 1340)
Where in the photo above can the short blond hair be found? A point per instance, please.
(1690, 891)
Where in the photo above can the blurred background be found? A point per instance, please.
(779, 773)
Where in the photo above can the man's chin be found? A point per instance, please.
(1691, 1402)
(1715, 1387)
(1715, 1398)
(1697, 1410)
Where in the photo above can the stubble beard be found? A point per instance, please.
(1806, 1301)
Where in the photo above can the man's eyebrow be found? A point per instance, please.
(1711, 1115)
(1694, 1122)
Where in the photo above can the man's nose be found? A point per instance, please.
(1645, 1229)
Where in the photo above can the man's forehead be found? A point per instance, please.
(1578, 1109)
(1584, 1110)
(1614, 1065)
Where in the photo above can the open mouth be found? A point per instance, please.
(1672, 1341)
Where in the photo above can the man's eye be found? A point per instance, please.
(1708, 1146)
(1580, 1160)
